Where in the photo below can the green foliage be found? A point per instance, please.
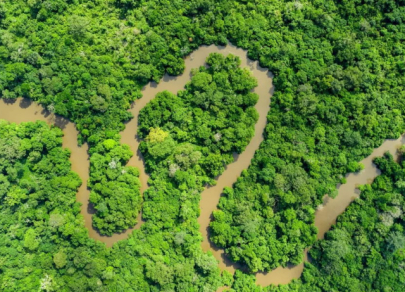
(60, 259)
(159, 143)
(364, 250)
(40, 220)
(339, 81)
(215, 112)
(44, 244)
(189, 141)
(115, 188)
(338, 94)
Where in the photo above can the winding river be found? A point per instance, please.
(23, 110)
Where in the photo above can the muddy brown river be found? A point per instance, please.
(23, 110)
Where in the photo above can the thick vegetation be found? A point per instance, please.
(365, 249)
(339, 77)
(214, 114)
(189, 140)
(115, 188)
(166, 253)
(45, 246)
(40, 221)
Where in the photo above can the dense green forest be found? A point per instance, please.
(45, 246)
(364, 250)
(181, 160)
(40, 221)
(166, 253)
(209, 120)
(44, 242)
(339, 76)
(115, 188)
(339, 81)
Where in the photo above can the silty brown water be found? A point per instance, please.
(23, 110)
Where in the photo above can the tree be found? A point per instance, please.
(159, 143)
(78, 25)
(159, 273)
(31, 242)
(156, 135)
(60, 259)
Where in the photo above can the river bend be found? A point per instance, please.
(23, 110)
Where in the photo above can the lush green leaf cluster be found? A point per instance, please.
(115, 188)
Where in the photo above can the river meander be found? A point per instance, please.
(22, 110)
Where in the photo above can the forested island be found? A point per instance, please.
(338, 71)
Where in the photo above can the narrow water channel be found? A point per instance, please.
(25, 110)
(22, 110)
(327, 213)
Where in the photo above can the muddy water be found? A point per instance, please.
(326, 215)
(23, 111)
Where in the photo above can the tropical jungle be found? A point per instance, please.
(338, 75)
